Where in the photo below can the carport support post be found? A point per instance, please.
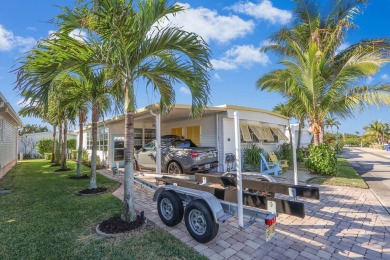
(158, 145)
(158, 141)
(238, 167)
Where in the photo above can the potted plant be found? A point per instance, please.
(252, 157)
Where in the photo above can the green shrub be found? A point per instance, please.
(252, 156)
(284, 152)
(85, 157)
(99, 163)
(44, 146)
(322, 160)
(74, 154)
(300, 155)
(71, 144)
(48, 156)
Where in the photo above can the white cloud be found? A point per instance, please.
(240, 56)
(78, 35)
(223, 64)
(342, 47)
(369, 79)
(185, 90)
(385, 76)
(217, 77)
(31, 28)
(209, 24)
(9, 41)
(263, 10)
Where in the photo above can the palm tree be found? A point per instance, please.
(317, 77)
(378, 130)
(130, 42)
(284, 110)
(94, 88)
(331, 122)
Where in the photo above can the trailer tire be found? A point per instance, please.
(200, 221)
(170, 208)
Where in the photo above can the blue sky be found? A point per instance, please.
(234, 30)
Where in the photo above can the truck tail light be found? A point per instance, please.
(194, 154)
(270, 220)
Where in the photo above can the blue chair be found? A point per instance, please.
(268, 167)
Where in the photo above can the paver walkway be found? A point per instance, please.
(346, 223)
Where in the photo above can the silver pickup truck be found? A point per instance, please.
(177, 156)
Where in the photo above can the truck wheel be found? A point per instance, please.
(174, 168)
(200, 222)
(170, 208)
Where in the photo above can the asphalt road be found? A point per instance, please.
(374, 167)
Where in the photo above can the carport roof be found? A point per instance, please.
(181, 111)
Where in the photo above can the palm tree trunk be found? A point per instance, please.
(58, 153)
(53, 145)
(80, 148)
(95, 119)
(128, 210)
(316, 132)
(64, 146)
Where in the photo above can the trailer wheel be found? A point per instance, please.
(174, 168)
(170, 208)
(200, 222)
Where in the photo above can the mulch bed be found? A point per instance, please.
(55, 165)
(84, 176)
(63, 170)
(116, 225)
(95, 191)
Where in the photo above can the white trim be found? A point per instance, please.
(2, 127)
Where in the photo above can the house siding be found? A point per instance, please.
(207, 129)
(8, 146)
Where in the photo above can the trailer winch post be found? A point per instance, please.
(294, 143)
(238, 168)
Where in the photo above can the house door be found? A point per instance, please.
(118, 150)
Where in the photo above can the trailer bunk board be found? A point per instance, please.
(260, 185)
(229, 193)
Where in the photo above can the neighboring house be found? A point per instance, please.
(28, 142)
(9, 123)
(215, 128)
(306, 135)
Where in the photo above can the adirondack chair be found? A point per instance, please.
(273, 158)
(269, 167)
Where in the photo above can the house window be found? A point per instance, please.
(89, 140)
(177, 131)
(193, 133)
(2, 129)
(257, 133)
(102, 139)
(279, 133)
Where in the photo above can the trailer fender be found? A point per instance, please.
(187, 195)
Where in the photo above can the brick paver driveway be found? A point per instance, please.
(347, 223)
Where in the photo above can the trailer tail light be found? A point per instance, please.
(270, 220)
(194, 154)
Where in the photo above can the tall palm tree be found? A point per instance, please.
(317, 77)
(331, 122)
(129, 41)
(91, 89)
(284, 110)
(378, 130)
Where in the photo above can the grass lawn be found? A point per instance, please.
(346, 176)
(43, 218)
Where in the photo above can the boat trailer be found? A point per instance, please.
(212, 198)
